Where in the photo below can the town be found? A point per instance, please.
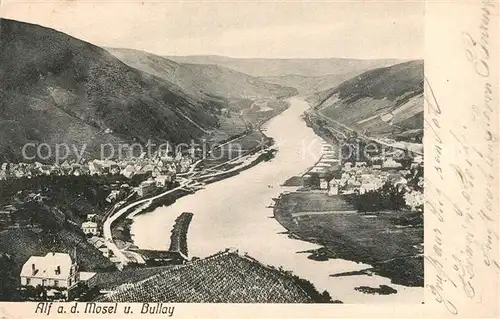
(337, 175)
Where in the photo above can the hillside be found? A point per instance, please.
(43, 214)
(202, 79)
(385, 102)
(285, 67)
(223, 278)
(57, 89)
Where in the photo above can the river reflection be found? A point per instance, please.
(232, 213)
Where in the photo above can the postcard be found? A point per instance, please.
(249, 159)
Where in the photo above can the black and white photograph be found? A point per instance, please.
(212, 152)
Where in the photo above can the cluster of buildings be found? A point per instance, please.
(336, 178)
(92, 228)
(361, 179)
(156, 166)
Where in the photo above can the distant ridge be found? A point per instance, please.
(202, 79)
(270, 67)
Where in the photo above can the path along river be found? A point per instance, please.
(232, 213)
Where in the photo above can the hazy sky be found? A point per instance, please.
(356, 29)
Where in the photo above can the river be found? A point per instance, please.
(233, 213)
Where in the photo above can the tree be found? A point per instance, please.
(314, 181)
(388, 197)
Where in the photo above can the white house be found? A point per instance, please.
(90, 227)
(333, 187)
(128, 171)
(391, 163)
(367, 187)
(162, 180)
(51, 270)
(113, 196)
(323, 184)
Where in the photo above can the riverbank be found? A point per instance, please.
(390, 241)
(235, 212)
(260, 151)
(120, 229)
(380, 239)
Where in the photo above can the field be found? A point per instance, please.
(381, 239)
(223, 278)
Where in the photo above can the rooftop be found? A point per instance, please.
(53, 265)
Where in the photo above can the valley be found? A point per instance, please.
(239, 127)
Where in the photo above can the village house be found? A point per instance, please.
(163, 180)
(112, 196)
(54, 270)
(95, 168)
(323, 184)
(98, 243)
(333, 187)
(390, 163)
(146, 188)
(418, 160)
(367, 187)
(90, 228)
(128, 171)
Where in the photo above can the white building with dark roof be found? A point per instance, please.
(52, 270)
(90, 227)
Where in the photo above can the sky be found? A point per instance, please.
(285, 29)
